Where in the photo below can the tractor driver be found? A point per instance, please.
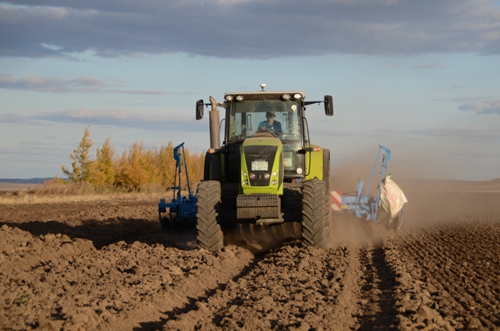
(271, 125)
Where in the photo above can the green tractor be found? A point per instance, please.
(266, 171)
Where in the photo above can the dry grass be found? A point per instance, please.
(57, 192)
(25, 197)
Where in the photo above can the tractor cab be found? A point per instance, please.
(249, 117)
(264, 114)
(273, 115)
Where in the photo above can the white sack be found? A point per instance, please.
(392, 197)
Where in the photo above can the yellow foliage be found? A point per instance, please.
(82, 165)
(134, 170)
(104, 171)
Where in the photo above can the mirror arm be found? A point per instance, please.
(306, 103)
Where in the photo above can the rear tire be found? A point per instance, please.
(315, 211)
(209, 234)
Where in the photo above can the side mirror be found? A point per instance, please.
(199, 109)
(328, 105)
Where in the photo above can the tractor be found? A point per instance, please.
(266, 171)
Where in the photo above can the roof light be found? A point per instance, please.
(297, 96)
(239, 97)
(229, 97)
(286, 96)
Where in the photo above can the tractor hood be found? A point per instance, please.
(262, 166)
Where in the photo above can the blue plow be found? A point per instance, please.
(181, 208)
(367, 207)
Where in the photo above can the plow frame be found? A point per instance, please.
(181, 208)
(365, 206)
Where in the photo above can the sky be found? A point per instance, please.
(421, 77)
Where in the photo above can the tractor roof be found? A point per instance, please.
(265, 95)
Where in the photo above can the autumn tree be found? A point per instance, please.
(104, 168)
(195, 165)
(135, 169)
(166, 163)
(131, 172)
(82, 165)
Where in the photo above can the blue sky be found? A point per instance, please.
(418, 76)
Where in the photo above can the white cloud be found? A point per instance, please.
(482, 107)
(248, 29)
(428, 66)
(75, 85)
(12, 118)
(120, 118)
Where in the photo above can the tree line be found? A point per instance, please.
(135, 169)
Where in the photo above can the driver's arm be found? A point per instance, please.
(262, 126)
(278, 128)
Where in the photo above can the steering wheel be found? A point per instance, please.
(263, 133)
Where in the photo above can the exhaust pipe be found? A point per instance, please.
(214, 125)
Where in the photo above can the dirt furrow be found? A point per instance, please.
(67, 283)
(378, 286)
(461, 278)
(107, 266)
(285, 289)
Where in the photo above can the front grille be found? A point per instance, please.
(257, 153)
(257, 206)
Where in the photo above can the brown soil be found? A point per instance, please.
(107, 266)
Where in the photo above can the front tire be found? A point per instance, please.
(209, 234)
(315, 211)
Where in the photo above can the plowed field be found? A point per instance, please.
(107, 266)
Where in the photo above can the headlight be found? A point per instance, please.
(252, 175)
(266, 176)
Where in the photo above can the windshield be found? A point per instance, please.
(281, 118)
